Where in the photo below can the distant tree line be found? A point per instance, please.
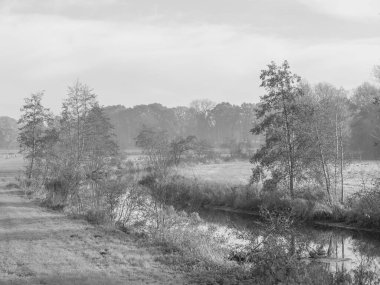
(226, 125)
(221, 125)
(8, 133)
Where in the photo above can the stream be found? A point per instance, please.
(344, 250)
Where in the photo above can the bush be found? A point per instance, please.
(191, 193)
(275, 201)
(321, 211)
(57, 193)
(300, 208)
(311, 193)
(364, 208)
(96, 216)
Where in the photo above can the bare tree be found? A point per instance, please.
(156, 146)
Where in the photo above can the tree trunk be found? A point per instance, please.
(290, 152)
(336, 157)
(341, 163)
(30, 174)
(324, 165)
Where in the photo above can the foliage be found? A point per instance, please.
(34, 136)
(179, 146)
(277, 116)
(307, 132)
(364, 207)
(216, 123)
(326, 128)
(71, 156)
(365, 123)
(8, 133)
(156, 147)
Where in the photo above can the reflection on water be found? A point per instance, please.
(341, 251)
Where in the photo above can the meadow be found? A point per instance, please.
(358, 175)
(11, 162)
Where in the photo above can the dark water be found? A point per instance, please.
(345, 251)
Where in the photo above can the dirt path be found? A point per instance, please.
(42, 247)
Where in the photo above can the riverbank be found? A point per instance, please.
(309, 204)
(38, 246)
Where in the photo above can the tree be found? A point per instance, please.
(80, 100)
(32, 136)
(156, 147)
(202, 110)
(225, 120)
(365, 122)
(8, 133)
(277, 116)
(376, 72)
(181, 145)
(99, 150)
(326, 124)
(84, 152)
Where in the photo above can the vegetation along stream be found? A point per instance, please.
(351, 252)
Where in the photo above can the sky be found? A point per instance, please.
(175, 51)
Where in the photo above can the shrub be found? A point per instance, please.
(191, 193)
(57, 193)
(275, 201)
(311, 193)
(364, 208)
(300, 208)
(321, 211)
(96, 216)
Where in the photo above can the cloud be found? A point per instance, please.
(168, 55)
(352, 9)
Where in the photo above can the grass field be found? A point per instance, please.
(11, 162)
(232, 173)
(356, 175)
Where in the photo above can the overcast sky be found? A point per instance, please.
(175, 51)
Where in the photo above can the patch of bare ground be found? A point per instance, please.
(43, 247)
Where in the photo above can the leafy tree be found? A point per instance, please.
(85, 148)
(365, 123)
(32, 137)
(202, 110)
(8, 133)
(277, 116)
(218, 124)
(247, 118)
(376, 72)
(180, 145)
(225, 119)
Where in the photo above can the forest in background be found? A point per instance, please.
(221, 125)
(8, 133)
(225, 125)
